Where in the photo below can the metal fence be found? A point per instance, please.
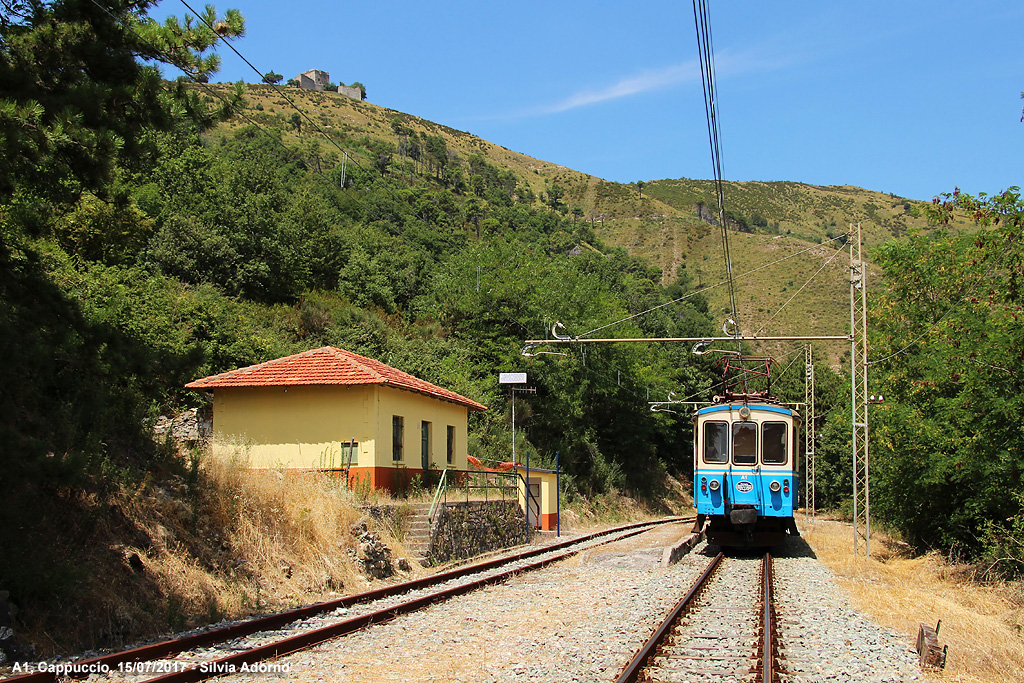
(479, 485)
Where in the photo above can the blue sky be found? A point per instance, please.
(913, 98)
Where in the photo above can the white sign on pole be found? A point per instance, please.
(512, 378)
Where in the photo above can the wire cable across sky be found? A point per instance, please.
(706, 52)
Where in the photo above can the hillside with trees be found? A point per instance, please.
(948, 349)
(153, 232)
(784, 234)
(142, 248)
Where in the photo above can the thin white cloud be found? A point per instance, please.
(726, 64)
(645, 81)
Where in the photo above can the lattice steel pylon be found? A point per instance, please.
(859, 394)
(810, 506)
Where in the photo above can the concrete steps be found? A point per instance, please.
(417, 535)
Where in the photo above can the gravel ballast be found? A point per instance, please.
(824, 639)
(582, 619)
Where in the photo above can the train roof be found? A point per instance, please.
(736, 405)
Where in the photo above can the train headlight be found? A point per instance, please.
(775, 486)
(714, 485)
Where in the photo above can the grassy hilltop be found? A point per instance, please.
(806, 294)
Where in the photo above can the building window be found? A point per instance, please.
(346, 455)
(451, 444)
(350, 453)
(425, 445)
(397, 436)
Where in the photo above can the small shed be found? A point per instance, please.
(543, 504)
(331, 409)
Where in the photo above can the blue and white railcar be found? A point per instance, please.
(745, 471)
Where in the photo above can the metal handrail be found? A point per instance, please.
(447, 483)
(442, 486)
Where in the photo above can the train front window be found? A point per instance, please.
(773, 443)
(744, 443)
(716, 442)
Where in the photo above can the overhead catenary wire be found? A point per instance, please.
(797, 292)
(709, 287)
(709, 85)
(722, 383)
(706, 57)
(791, 353)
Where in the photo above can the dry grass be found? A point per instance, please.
(181, 550)
(614, 507)
(233, 543)
(983, 625)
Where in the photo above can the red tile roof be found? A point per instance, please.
(328, 365)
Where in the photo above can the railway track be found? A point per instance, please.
(723, 629)
(237, 647)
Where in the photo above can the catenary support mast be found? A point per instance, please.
(859, 395)
(809, 465)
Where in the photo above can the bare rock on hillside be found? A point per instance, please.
(186, 429)
(373, 557)
(358, 528)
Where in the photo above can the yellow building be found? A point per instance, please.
(543, 496)
(304, 411)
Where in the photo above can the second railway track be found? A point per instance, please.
(211, 653)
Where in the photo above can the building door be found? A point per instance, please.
(451, 445)
(425, 445)
(534, 505)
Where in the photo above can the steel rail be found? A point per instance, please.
(767, 649)
(165, 648)
(231, 663)
(633, 670)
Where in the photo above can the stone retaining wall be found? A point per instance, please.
(384, 513)
(463, 530)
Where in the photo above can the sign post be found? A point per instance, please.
(513, 379)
